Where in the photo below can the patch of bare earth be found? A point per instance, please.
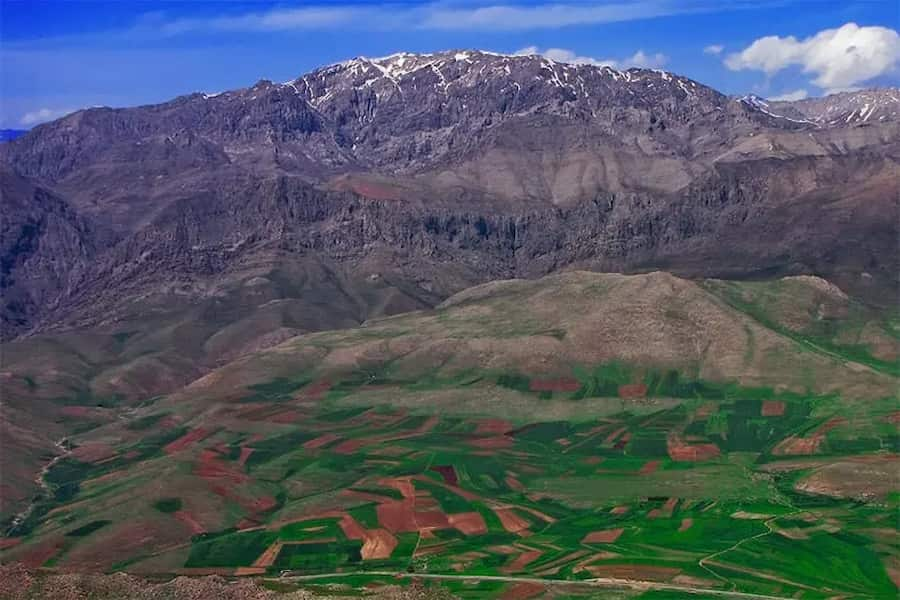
(863, 478)
(245, 454)
(512, 522)
(513, 483)
(267, 558)
(9, 542)
(634, 572)
(187, 440)
(803, 446)
(493, 426)
(93, 452)
(469, 523)
(606, 536)
(649, 467)
(682, 451)
(322, 440)
(772, 408)
(349, 446)
(611, 438)
(522, 560)
(522, 591)
(378, 544)
(631, 391)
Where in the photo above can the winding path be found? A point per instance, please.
(46, 492)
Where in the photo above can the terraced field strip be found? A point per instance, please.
(267, 558)
(512, 522)
(522, 561)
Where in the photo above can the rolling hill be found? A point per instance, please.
(497, 406)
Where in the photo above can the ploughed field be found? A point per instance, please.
(602, 429)
(664, 478)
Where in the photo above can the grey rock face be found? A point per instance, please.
(45, 246)
(865, 106)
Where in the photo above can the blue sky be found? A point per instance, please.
(61, 56)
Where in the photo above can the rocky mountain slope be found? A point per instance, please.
(865, 106)
(433, 173)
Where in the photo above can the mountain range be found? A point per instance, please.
(423, 174)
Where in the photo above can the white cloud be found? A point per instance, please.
(638, 59)
(544, 16)
(564, 56)
(790, 96)
(284, 19)
(43, 115)
(437, 15)
(645, 61)
(714, 49)
(838, 58)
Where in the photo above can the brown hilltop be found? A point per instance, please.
(545, 326)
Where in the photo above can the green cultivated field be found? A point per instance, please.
(703, 491)
(484, 442)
